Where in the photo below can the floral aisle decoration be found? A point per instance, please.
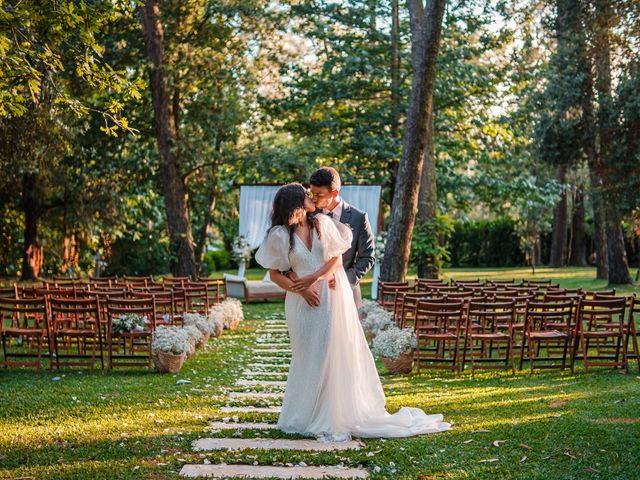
(202, 323)
(194, 335)
(216, 321)
(230, 312)
(367, 307)
(395, 347)
(169, 348)
(129, 323)
(377, 320)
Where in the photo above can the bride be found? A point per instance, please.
(333, 390)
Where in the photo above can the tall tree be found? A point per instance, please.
(426, 26)
(166, 109)
(604, 23)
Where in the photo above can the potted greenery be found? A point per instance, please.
(395, 347)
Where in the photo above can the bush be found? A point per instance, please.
(215, 261)
(485, 243)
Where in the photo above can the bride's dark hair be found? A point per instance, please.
(288, 200)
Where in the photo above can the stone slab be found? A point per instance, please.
(310, 445)
(268, 365)
(266, 471)
(250, 409)
(245, 383)
(255, 395)
(241, 426)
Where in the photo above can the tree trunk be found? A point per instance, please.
(203, 233)
(425, 41)
(182, 259)
(395, 70)
(618, 266)
(578, 257)
(427, 200)
(31, 251)
(560, 214)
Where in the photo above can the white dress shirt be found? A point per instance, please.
(337, 210)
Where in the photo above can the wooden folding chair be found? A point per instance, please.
(9, 292)
(76, 321)
(389, 294)
(549, 333)
(25, 321)
(631, 336)
(382, 285)
(130, 349)
(217, 292)
(197, 298)
(175, 282)
(602, 322)
(407, 309)
(437, 326)
(165, 302)
(484, 333)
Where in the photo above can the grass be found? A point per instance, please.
(135, 425)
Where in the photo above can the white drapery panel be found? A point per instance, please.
(256, 202)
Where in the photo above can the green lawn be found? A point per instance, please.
(137, 425)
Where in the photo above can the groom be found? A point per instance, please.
(358, 260)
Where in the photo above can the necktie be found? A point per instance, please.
(330, 214)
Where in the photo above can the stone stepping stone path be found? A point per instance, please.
(247, 471)
(206, 444)
(255, 395)
(249, 383)
(273, 355)
(241, 426)
(250, 409)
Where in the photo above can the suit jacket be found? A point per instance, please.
(359, 259)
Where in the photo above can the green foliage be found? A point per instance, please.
(428, 244)
(215, 261)
(483, 243)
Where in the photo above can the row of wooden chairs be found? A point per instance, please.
(548, 333)
(72, 326)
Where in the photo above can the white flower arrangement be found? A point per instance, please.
(201, 322)
(393, 342)
(240, 249)
(171, 339)
(230, 312)
(377, 320)
(380, 246)
(193, 334)
(216, 321)
(367, 307)
(128, 323)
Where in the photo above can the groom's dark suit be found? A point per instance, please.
(359, 259)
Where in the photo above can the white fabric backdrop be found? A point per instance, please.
(256, 202)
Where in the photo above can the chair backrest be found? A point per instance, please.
(491, 314)
(175, 281)
(438, 315)
(406, 303)
(602, 313)
(594, 295)
(9, 292)
(81, 313)
(382, 285)
(145, 307)
(196, 297)
(559, 316)
(216, 287)
(30, 313)
(562, 297)
(165, 303)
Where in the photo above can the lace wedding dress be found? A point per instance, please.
(333, 390)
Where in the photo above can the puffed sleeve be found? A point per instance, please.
(335, 236)
(274, 251)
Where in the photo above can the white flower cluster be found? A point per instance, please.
(128, 323)
(171, 339)
(228, 312)
(367, 307)
(393, 342)
(377, 319)
(207, 325)
(380, 246)
(240, 249)
(193, 334)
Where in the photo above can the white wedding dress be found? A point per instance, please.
(333, 390)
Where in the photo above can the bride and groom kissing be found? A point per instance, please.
(333, 390)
